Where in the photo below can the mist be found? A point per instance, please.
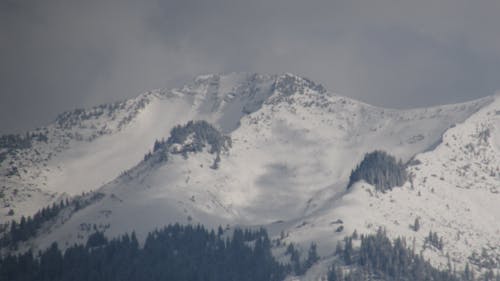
(59, 55)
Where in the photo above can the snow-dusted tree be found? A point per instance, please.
(379, 169)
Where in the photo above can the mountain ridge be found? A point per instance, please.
(121, 113)
(293, 145)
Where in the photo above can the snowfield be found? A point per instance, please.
(293, 146)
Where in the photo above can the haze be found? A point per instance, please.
(58, 55)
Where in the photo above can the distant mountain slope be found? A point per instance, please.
(453, 192)
(292, 147)
(85, 148)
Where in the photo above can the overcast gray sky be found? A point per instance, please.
(56, 55)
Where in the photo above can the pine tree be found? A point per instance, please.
(335, 274)
(312, 256)
(416, 225)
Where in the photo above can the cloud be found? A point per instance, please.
(57, 55)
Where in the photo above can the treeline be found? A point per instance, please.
(379, 258)
(380, 170)
(172, 253)
(27, 227)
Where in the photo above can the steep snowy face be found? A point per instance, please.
(468, 157)
(292, 156)
(85, 148)
(62, 157)
(452, 191)
(224, 99)
(463, 174)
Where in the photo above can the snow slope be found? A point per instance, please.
(453, 191)
(293, 147)
(87, 148)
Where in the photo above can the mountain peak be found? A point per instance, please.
(284, 82)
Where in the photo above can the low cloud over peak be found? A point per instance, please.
(58, 55)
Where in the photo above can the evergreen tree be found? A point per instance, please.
(379, 169)
(335, 274)
(176, 252)
(382, 259)
(416, 225)
(312, 255)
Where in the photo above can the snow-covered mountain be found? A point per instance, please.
(85, 148)
(276, 150)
